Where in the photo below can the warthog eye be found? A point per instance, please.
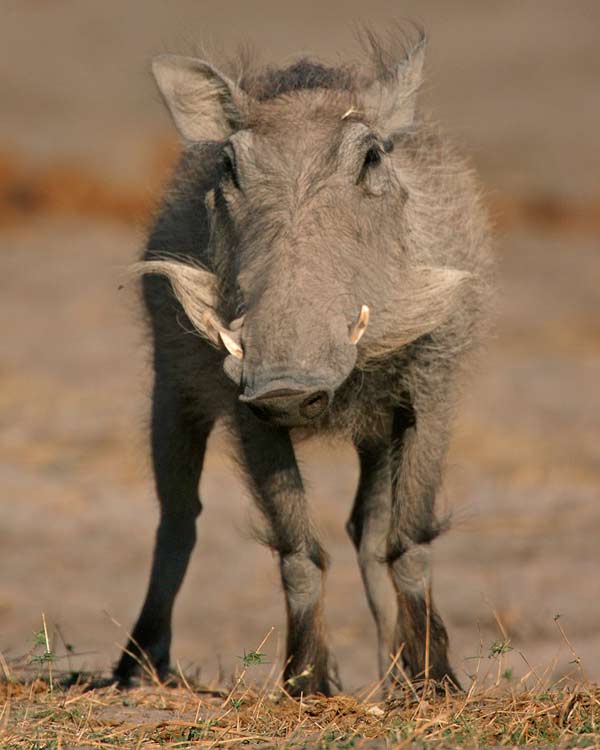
(371, 161)
(373, 157)
(228, 168)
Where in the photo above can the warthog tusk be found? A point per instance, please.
(361, 325)
(231, 345)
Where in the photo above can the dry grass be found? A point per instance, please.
(151, 716)
(58, 712)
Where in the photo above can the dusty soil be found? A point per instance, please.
(85, 148)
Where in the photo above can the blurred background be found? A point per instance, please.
(84, 150)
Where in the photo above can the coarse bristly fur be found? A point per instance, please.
(302, 195)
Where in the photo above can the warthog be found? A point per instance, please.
(318, 266)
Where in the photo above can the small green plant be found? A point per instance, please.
(333, 740)
(500, 647)
(252, 658)
(47, 656)
(508, 674)
(191, 734)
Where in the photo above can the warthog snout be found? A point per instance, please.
(286, 403)
(293, 358)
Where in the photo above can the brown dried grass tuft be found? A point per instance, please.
(189, 716)
(77, 711)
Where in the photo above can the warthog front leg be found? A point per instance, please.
(178, 447)
(368, 528)
(274, 478)
(417, 455)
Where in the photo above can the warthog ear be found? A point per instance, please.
(391, 100)
(426, 298)
(205, 104)
(196, 290)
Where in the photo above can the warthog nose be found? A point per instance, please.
(289, 404)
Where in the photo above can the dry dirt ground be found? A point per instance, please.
(83, 147)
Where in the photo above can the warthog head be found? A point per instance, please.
(312, 272)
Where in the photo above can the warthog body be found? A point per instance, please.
(319, 265)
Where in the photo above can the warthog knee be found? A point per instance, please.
(302, 581)
(372, 551)
(411, 569)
